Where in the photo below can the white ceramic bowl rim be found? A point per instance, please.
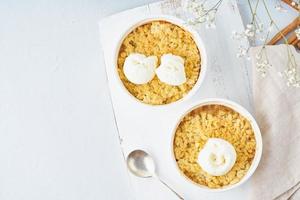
(241, 110)
(196, 38)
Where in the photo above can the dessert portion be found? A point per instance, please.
(171, 70)
(217, 157)
(214, 146)
(176, 71)
(139, 69)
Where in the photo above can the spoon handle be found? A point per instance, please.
(180, 197)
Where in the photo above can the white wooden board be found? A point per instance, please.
(150, 128)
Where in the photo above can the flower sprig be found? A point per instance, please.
(194, 12)
(291, 73)
(197, 12)
(297, 3)
(256, 30)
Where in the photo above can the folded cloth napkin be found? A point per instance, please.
(277, 111)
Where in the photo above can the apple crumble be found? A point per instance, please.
(158, 38)
(213, 121)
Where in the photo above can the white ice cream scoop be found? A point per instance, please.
(217, 157)
(139, 69)
(171, 70)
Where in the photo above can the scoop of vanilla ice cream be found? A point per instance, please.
(171, 70)
(217, 157)
(139, 69)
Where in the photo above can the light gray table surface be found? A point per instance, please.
(58, 139)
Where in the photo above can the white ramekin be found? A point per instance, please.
(238, 108)
(183, 25)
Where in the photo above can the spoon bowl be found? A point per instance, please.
(141, 164)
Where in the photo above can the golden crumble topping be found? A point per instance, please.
(213, 121)
(158, 38)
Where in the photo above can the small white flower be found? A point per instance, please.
(250, 31)
(291, 75)
(193, 7)
(212, 15)
(258, 56)
(250, 26)
(263, 74)
(197, 12)
(262, 65)
(242, 51)
(297, 31)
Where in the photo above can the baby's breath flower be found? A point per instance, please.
(258, 56)
(195, 8)
(262, 67)
(262, 62)
(291, 75)
(297, 31)
(295, 3)
(292, 79)
(211, 16)
(242, 51)
(198, 12)
(250, 30)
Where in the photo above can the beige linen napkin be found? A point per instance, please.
(277, 111)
